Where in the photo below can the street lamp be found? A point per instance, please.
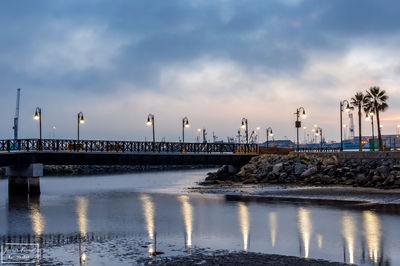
(245, 126)
(370, 116)
(298, 122)
(348, 108)
(150, 122)
(185, 123)
(81, 120)
(38, 116)
(269, 133)
(318, 132)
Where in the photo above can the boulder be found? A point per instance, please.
(333, 160)
(309, 172)
(326, 179)
(361, 179)
(299, 168)
(251, 180)
(277, 168)
(389, 180)
(383, 170)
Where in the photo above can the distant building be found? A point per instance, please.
(389, 141)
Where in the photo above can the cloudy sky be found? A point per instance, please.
(212, 61)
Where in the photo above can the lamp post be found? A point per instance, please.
(245, 126)
(370, 116)
(318, 132)
(269, 133)
(81, 120)
(342, 103)
(150, 122)
(298, 122)
(38, 116)
(185, 123)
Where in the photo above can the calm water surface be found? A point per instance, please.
(114, 220)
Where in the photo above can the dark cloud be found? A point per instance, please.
(267, 35)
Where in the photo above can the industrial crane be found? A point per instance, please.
(16, 117)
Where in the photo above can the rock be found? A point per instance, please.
(283, 177)
(349, 182)
(333, 160)
(326, 179)
(241, 173)
(211, 176)
(330, 169)
(310, 171)
(361, 179)
(346, 169)
(232, 169)
(307, 169)
(277, 168)
(299, 168)
(223, 169)
(349, 175)
(208, 182)
(250, 181)
(382, 170)
(389, 180)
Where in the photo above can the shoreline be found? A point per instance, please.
(343, 196)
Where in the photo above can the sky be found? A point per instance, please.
(214, 62)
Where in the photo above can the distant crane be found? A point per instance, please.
(239, 135)
(253, 137)
(16, 117)
(204, 135)
(215, 138)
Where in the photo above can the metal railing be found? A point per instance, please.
(323, 149)
(63, 145)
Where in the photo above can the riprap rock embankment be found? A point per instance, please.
(313, 169)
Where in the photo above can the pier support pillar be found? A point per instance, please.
(24, 180)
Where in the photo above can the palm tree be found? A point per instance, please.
(369, 113)
(358, 102)
(378, 97)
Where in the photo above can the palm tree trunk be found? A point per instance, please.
(359, 128)
(379, 129)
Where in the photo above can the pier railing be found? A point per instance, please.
(323, 149)
(64, 145)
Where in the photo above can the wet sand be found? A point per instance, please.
(235, 258)
(328, 193)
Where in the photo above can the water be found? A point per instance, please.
(114, 220)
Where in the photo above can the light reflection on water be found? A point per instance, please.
(348, 231)
(37, 219)
(244, 220)
(148, 213)
(187, 214)
(273, 227)
(372, 231)
(81, 210)
(169, 222)
(305, 229)
(174, 214)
